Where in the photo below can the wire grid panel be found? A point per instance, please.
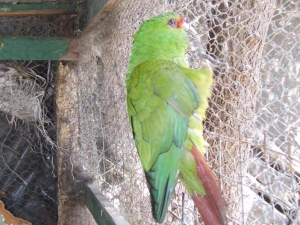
(28, 169)
(44, 26)
(252, 123)
(28, 181)
(41, 26)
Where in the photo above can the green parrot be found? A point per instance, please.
(166, 103)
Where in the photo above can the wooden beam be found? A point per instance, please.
(98, 10)
(67, 83)
(36, 9)
(25, 7)
(27, 1)
(38, 13)
(36, 48)
(101, 209)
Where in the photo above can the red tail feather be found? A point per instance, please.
(212, 206)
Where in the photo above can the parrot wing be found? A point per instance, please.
(161, 98)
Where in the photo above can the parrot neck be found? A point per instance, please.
(166, 44)
(142, 54)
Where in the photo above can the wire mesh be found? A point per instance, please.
(251, 125)
(46, 26)
(28, 180)
(42, 26)
(28, 165)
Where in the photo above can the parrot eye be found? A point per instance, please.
(172, 23)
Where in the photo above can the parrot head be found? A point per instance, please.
(161, 37)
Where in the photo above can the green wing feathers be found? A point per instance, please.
(163, 102)
(160, 99)
(162, 178)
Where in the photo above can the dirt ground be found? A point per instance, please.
(9, 218)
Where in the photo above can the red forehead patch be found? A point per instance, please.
(179, 22)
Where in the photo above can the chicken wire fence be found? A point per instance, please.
(252, 122)
(44, 25)
(28, 180)
(28, 167)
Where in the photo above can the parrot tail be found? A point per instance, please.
(211, 206)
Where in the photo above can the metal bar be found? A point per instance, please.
(101, 209)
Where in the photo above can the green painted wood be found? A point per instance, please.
(101, 209)
(33, 48)
(25, 7)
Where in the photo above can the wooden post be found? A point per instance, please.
(98, 10)
(70, 209)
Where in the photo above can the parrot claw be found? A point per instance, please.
(196, 45)
(210, 58)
